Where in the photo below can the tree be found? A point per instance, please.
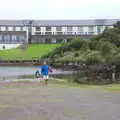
(117, 25)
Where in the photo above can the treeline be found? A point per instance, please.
(102, 51)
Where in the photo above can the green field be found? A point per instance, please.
(32, 51)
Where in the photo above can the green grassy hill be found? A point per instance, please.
(33, 50)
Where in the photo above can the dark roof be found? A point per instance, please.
(58, 22)
(74, 22)
(11, 22)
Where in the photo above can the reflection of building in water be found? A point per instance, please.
(50, 31)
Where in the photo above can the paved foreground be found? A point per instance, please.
(56, 102)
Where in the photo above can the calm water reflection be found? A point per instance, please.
(7, 73)
(16, 71)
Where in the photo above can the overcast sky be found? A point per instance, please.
(59, 9)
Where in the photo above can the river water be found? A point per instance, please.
(15, 72)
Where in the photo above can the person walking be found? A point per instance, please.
(45, 69)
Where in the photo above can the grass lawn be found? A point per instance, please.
(34, 50)
(62, 83)
(107, 87)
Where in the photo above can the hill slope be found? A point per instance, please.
(32, 51)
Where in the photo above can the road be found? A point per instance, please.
(33, 101)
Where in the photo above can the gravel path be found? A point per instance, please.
(57, 102)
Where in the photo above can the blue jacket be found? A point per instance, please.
(44, 69)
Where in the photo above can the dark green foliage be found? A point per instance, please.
(101, 49)
(111, 35)
(93, 44)
(94, 58)
(76, 54)
(115, 60)
(117, 25)
(78, 44)
(75, 44)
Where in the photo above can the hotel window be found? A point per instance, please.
(21, 28)
(10, 28)
(7, 38)
(14, 28)
(3, 28)
(21, 38)
(29, 29)
(80, 30)
(90, 29)
(69, 33)
(6, 28)
(69, 29)
(38, 28)
(58, 28)
(99, 29)
(48, 28)
(38, 33)
(14, 37)
(48, 33)
(0, 37)
(59, 33)
(17, 28)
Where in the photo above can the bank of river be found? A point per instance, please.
(17, 72)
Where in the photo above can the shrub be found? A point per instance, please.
(107, 48)
(76, 54)
(94, 58)
(78, 44)
(115, 59)
(111, 35)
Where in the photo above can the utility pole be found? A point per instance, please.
(26, 35)
(30, 24)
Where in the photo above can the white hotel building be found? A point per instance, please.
(50, 31)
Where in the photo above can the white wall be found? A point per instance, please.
(53, 29)
(10, 28)
(18, 29)
(74, 29)
(3, 28)
(8, 46)
(64, 29)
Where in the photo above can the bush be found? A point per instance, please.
(94, 57)
(78, 44)
(111, 35)
(76, 54)
(115, 59)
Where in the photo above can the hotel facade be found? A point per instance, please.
(50, 31)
